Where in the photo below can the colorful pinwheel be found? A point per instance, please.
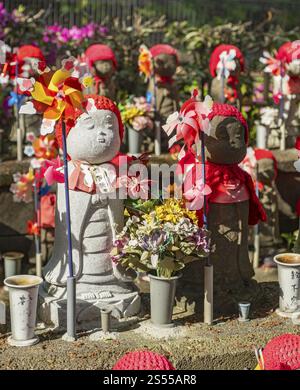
(145, 62)
(273, 65)
(53, 171)
(54, 94)
(226, 64)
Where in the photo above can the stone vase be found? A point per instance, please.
(162, 296)
(23, 295)
(289, 282)
(12, 263)
(134, 141)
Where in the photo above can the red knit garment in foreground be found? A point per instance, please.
(143, 360)
(282, 353)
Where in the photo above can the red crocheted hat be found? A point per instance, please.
(264, 153)
(156, 50)
(288, 52)
(29, 51)
(215, 57)
(143, 360)
(220, 109)
(282, 353)
(102, 103)
(98, 52)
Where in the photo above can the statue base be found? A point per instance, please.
(53, 311)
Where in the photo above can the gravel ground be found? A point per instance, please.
(228, 344)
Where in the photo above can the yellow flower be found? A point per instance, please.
(172, 210)
(87, 81)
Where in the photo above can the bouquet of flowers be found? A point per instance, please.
(162, 241)
(136, 113)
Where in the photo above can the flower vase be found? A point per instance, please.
(162, 296)
(12, 263)
(134, 141)
(23, 295)
(289, 283)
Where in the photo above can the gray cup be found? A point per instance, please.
(162, 295)
(105, 319)
(23, 295)
(134, 141)
(244, 310)
(12, 263)
(288, 265)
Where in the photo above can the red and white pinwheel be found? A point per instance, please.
(189, 121)
(53, 171)
(273, 65)
(195, 188)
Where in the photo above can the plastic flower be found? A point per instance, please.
(53, 171)
(22, 186)
(195, 195)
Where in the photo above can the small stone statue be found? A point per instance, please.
(262, 166)
(103, 64)
(234, 66)
(162, 88)
(26, 56)
(289, 55)
(94, 140)
(232, 206)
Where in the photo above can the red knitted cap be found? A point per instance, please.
(156, 50)
(264, 153)
(102, 103)
(143, 360)
(282, 353)
(98, 52)
(215, 57)
(288, 52)
(29, 51)
(220, 109)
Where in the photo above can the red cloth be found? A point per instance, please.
(264, 153)
(102, 103)
(297, 143)
(143, 360)
(98, 52)
(219, 174)
(215, 57)
(156, 50)
(288, 52)
(282, 353)
(29, 51)
(48, 210)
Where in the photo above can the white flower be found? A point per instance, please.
(28, 150)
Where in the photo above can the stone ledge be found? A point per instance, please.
(8, 168)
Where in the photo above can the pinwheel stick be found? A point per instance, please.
(71, 280)
(281, 109)
(208, 268)
(19, 130)
(256, 230)
(222, 97)
(157, 139)
(37, 239)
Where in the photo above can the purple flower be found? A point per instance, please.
(202, 240)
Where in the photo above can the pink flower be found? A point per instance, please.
(53, 172)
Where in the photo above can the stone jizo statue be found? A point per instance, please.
(103, 64)
(93, 146)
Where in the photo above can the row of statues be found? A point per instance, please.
(226, 64)
(95, 140)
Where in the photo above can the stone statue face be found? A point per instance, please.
(95, 138)
(104, 68)
(165, 65)
(237, 70)
(266, 171)
(226, 142)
